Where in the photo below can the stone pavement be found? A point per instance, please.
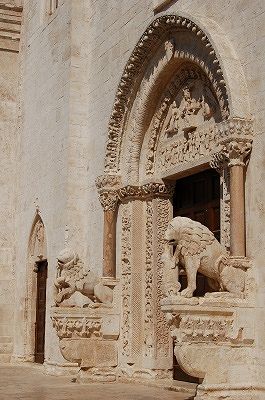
(29, 383)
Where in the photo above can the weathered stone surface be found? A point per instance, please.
(133, 96)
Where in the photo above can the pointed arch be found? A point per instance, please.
(37, 252)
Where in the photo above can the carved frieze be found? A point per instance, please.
(74, 327)
(195, 146)
(163, 210)
(189, 110)
(206, 327)
(149, 190)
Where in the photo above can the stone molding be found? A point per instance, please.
(10, 25)
(138, 59)
(110, 194)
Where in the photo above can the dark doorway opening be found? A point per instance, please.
(41, 267)
(197, 197)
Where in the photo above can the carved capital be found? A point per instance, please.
(108, 186)
(234, 144)
(236, 152)
(109, 200)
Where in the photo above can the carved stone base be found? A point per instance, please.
(88, 337)
(214, 341)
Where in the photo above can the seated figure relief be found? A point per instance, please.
(197, 250)
(73, 276)
(192, 111)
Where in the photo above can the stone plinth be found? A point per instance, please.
(88, 336)
(214, 340)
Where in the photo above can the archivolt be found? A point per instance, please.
(191, 44)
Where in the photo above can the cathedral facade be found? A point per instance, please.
(132, 200)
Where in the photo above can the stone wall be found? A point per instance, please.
(72, 63)
(10, 18)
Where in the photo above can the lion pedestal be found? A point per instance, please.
(214, 340)
(86, 318)
(89, 337)
(213, 335)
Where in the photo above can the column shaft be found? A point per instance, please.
(237, 211)
(109, 244)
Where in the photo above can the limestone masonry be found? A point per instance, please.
(132, 196)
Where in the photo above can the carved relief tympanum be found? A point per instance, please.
(190, 109)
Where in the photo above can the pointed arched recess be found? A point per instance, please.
(169, 44)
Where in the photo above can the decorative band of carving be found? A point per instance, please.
(110, 194)
(81, 327)
(207, 328)
(234, 146)
(146, 191)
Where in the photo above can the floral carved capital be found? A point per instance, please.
(234, 145)
(108, 186)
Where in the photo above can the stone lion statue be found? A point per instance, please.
(197, 250)
(73, 276)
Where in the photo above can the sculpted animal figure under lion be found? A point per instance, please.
(73, 276)
(197, 250)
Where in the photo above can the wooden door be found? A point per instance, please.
(197, 197)
(40, 311)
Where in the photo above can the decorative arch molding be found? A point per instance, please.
(221, 67)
